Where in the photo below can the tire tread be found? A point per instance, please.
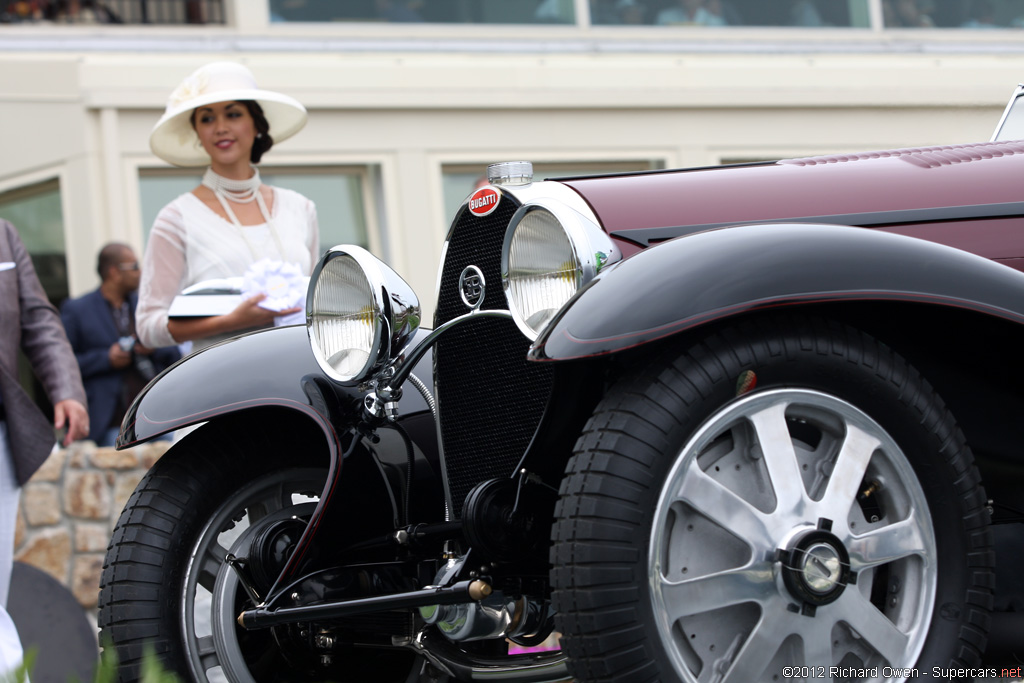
(599, 532)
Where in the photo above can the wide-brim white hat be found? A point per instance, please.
(175, 141)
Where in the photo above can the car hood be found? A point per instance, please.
(897, 190)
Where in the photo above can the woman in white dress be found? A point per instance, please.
(218, 118)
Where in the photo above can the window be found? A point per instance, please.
(116, 12)
(427, 11)
(968, 14)
(338, 193)
(459, 180)
(36, 212)
(338, 196)
(896, 14)
(810, 13)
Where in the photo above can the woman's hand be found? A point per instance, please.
(246, 316)
(249, 313)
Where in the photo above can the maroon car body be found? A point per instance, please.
(966, 196)
(963, 196)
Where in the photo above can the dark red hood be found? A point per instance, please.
(872, 188)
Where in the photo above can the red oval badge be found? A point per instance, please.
(484, 201)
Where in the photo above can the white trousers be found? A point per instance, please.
(10, 645)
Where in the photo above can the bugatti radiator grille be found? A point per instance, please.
(489, 398)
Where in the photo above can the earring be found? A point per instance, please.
(259, 135)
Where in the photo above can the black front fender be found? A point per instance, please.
(695, 279)
(271, 368)
(274, 367)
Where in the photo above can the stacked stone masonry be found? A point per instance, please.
(69, 507)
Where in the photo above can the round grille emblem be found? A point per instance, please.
(472, 287)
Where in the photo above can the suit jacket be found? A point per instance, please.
(28, 320)
(91, 330)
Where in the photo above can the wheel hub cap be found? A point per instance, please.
(816, 567)
(821, 568)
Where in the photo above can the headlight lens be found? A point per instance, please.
(344, 319)
(358, 311)
(549, 253)
(543, 270)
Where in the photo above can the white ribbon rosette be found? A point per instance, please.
(191, 88)
(283, 283)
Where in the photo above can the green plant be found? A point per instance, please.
(151, 670)
(21, 673)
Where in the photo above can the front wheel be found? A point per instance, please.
(785, 499)
(226, 489)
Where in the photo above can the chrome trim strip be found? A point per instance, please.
(1018, 91)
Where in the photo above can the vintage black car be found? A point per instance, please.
(743, 423)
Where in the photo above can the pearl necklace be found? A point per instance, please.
(242, 192)
(238, 191)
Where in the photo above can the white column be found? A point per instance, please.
(876, 14)
(113, 182)
(248, 16)
(415, 239)
(582, 8)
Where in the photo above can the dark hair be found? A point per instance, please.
(110, 255)
(263, 142)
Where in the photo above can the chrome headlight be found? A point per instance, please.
(550, 251)
(359, 313)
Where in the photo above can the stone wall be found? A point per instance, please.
(68, 511)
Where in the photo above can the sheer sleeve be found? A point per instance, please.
(312, 235)
(164, 269)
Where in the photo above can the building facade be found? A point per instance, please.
(409, 100)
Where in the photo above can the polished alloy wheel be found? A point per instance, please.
(791, 532)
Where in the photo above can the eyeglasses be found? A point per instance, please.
(128, 266)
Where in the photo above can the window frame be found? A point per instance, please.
(368, 177)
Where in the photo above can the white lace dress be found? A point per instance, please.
(190, 243)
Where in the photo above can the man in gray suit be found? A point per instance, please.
(28, 321)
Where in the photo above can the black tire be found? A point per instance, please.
(165, 587)
(649, 585)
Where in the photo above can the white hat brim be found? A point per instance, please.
(175, 141)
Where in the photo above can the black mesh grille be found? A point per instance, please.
(489, 398)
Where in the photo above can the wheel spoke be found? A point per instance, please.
(725, 508)
(817, 641)
(271, 501)
(887, 544)
(753, 583)
(210, 565)
(749, 664)
(848, 472)
(873, 626)
(779, 456)
(207, 651)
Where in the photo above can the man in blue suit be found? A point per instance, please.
(101, 328)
